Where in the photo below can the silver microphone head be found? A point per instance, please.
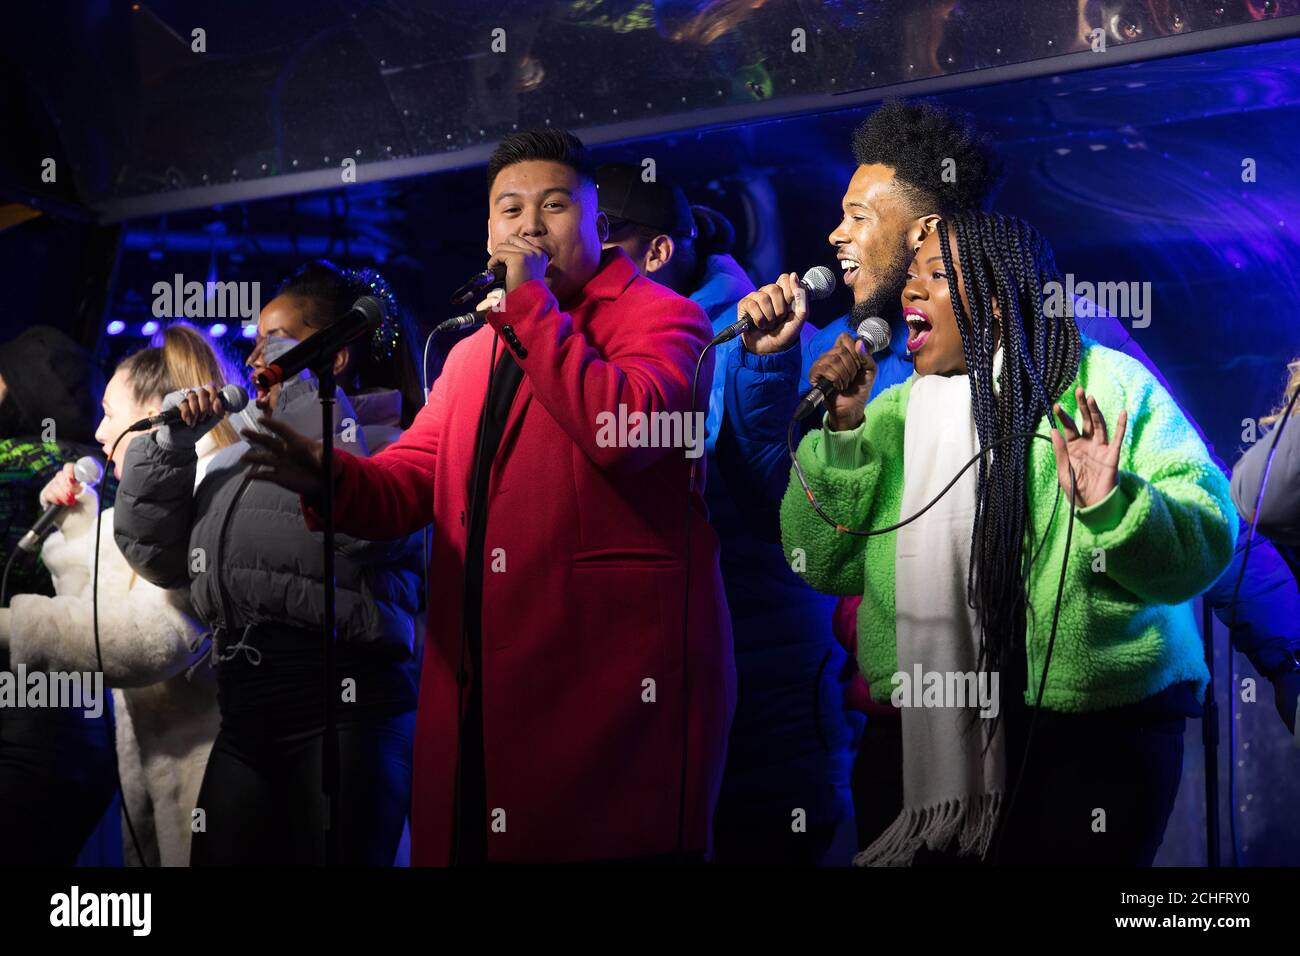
(88, 471)
(875, 332)
(233, 398)
(819, 281)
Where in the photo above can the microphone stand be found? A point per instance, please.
(330, 743)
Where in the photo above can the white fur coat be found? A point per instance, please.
(166, 721)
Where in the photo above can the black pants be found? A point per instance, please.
(262, 800)
(1125, 765)
(56, 782)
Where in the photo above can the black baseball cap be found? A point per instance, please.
(626, 197)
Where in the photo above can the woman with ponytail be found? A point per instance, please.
(165, 711)
(1083, 695)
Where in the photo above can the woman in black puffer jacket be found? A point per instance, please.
(255, 574)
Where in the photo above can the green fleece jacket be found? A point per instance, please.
(1163, 535)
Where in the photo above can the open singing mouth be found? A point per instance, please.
(851, 268)
(919, 327)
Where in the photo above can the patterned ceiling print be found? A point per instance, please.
(155, 102)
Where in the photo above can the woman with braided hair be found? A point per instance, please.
(961, 613)
(378, 372)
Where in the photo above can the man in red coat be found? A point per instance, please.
(575, 703)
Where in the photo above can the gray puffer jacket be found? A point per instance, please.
(266, 567)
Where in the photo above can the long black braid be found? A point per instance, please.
(1005, 258)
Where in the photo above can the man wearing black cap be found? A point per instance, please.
(652, 222)
(56, 764)
(788, 665)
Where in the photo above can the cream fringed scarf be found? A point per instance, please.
(951, 788)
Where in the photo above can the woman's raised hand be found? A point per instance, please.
(1090, 450)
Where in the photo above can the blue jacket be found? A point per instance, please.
(1268, 609)
(792, 742)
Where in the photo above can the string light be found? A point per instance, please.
(386, 338)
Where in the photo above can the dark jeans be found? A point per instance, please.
(877, 778)
(56, 782)
(1125, 764)
(262, 798)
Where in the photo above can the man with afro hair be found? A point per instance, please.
(917, 163)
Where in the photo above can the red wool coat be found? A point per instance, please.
(583, 756)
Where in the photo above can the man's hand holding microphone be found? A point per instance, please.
(776, 314)
(523, 258)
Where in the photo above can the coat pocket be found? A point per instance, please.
(627, 662)
(632, 558)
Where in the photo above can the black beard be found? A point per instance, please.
(887, 300)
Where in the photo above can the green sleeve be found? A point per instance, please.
(844, 471)
(1169, 527)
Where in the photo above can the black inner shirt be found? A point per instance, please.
(469, 846)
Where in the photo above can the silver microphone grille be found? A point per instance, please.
(234, 398)
(820, 282)
(875, 332)
(88, 470)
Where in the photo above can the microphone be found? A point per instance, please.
(875, 332)
(481, 283)
(819, 283)
(88, 471)
(233, 399)
(468, 320)
(366, 314)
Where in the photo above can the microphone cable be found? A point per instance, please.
(686, 607)
(424, 365)
(1232, 627)
(1060, 586)
(4, 583)
(111, 723)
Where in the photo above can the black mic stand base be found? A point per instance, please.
(330, 742)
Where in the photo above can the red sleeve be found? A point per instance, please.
(389, 495)
(648, 367)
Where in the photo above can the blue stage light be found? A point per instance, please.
(250, 331)
(218, 330)
(149, 328)
(115, 327)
